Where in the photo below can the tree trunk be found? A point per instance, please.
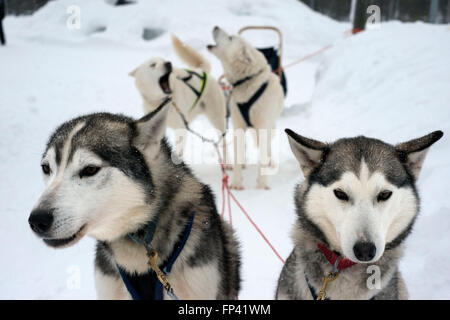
(448, 12)
(352, 11)
(434, 6)
(359, 22)
(2, 15)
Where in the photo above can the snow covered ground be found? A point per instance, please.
(392, 83)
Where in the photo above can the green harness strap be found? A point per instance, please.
(203, 78)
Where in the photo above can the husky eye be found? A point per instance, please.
(45, 168)
(384, 195)
(89, 171)
(341, 195)
(153, 65)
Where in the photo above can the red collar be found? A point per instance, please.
(332, 257)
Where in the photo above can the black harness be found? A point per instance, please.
(245, 106)
(243, 80)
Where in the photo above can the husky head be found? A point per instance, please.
(152, 78)
(98, 179)
(237, 56)
(359, 194)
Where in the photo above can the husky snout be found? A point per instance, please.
(216, 32)
(218, 35)
(41, 220)
(364, 251)
(362, 237)
(168, 66)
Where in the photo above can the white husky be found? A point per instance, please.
(256, 98)
(194, 91)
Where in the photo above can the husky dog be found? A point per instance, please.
(358, 203)
(256, 97)
(193, 91)
(107, 177)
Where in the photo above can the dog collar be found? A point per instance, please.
(332, 256)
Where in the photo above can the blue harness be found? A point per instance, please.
(147, 286)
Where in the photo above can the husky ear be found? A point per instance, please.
(415, 151)
(152, 127)
(307, 151)
(133, 73)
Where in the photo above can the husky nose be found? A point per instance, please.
(168, 66)
(364, 251)
(41, 220)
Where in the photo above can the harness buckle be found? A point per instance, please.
(153, 263)
(326, 280)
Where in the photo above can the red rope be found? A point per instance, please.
(229, 202)
(226, 187)
(346, 33)
(257, 229)
(305, 57)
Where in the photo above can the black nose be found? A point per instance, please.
(364, 251)
(41, 220)
(216, 28)
(168, 66)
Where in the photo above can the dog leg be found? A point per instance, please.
(226, 160)
(264, 143)
(239, 155)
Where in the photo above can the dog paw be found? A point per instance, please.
(264, 187)
(228, 167)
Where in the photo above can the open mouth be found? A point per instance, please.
(164, 83)
(65, 242)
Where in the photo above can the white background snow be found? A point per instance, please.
(392, 83)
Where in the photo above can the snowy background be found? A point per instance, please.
(392, 83)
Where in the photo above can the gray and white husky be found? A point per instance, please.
(358, 203)
(108, 176)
